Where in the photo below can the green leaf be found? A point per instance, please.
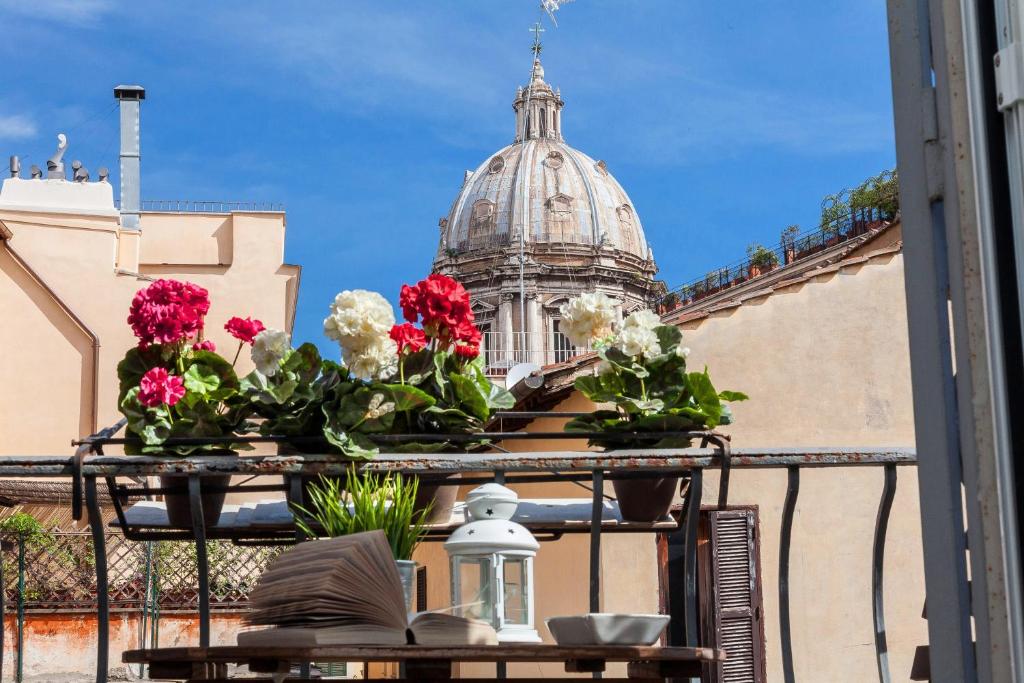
(499, 398)
(669, 337)
(200, 379)
(706, 396)
(136, 363)
(468, 393)
(408, 398)
(732, 396)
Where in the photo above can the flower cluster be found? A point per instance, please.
(269, 348)
(361, 321)
(168, 312)
(159, 388)
(442, 305)
(409, 338)
(244, 329)
(587, 318)
(637, 336)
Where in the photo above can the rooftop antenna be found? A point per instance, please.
(549, 7)
(552, 6)
(536, 29)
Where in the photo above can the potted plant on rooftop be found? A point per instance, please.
(173, 384)
(367, 503)
(426, 379)
(761, 259)
(642, 386)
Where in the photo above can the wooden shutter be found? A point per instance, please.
(730, 594)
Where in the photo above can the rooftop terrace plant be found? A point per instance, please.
(642, 383)
(368, 502)
(174, 383)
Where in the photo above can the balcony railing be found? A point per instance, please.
(502, 351)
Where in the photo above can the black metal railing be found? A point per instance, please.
(206, 206)
(595, 469)
(791, 249)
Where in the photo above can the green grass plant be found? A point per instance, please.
(368, 502)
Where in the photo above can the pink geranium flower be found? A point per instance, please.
(168, 312)
(205, 345)
(244, 329)
(157, 388)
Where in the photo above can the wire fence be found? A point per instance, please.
(56, 571)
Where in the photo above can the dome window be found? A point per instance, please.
(481, 221)
(601, 167)
(497, 165)
(554, 160)
(627, 229)
(560, 203)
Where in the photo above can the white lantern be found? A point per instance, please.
(492, 565)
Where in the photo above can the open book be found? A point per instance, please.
(346, 591)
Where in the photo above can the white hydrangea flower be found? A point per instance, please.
(359, 319)
(268, 348)
(378, 361)
(587, 318)
(682, 351)
(646, 319)
(639, 341)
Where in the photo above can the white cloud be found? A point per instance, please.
(64, 11)
(16, 127)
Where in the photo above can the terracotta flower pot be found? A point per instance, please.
(443, 497)
(212, 492)
(645, 500)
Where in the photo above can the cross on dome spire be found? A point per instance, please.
(536, 30)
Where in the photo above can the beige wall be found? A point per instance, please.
(826, 364)
(95, 269)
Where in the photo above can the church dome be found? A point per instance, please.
(560, 194)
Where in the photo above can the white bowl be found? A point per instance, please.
(607, 629)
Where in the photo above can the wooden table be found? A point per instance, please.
(422, 662)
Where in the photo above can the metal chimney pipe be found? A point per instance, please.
(130, 98)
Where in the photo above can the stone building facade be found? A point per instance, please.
(536, 223)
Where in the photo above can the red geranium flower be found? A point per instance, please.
(244, 329)
(408, 337)
(442, 304)
(205, 345)
(467, 351)
(409, 300)
(157, 388)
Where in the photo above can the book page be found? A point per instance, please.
(347, 580)
(434, 628)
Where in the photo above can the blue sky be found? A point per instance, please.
(725, 122)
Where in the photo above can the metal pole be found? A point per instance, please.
(596, 515)
(102, 595)
(202, 565)
(878, 573)
(147, 577)
(21, 608)
(3, 605)
(785, 535)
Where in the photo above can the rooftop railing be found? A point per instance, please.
(206, 206)
(791, 249)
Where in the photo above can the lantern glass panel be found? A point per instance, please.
(517, 609)
(475, 587)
